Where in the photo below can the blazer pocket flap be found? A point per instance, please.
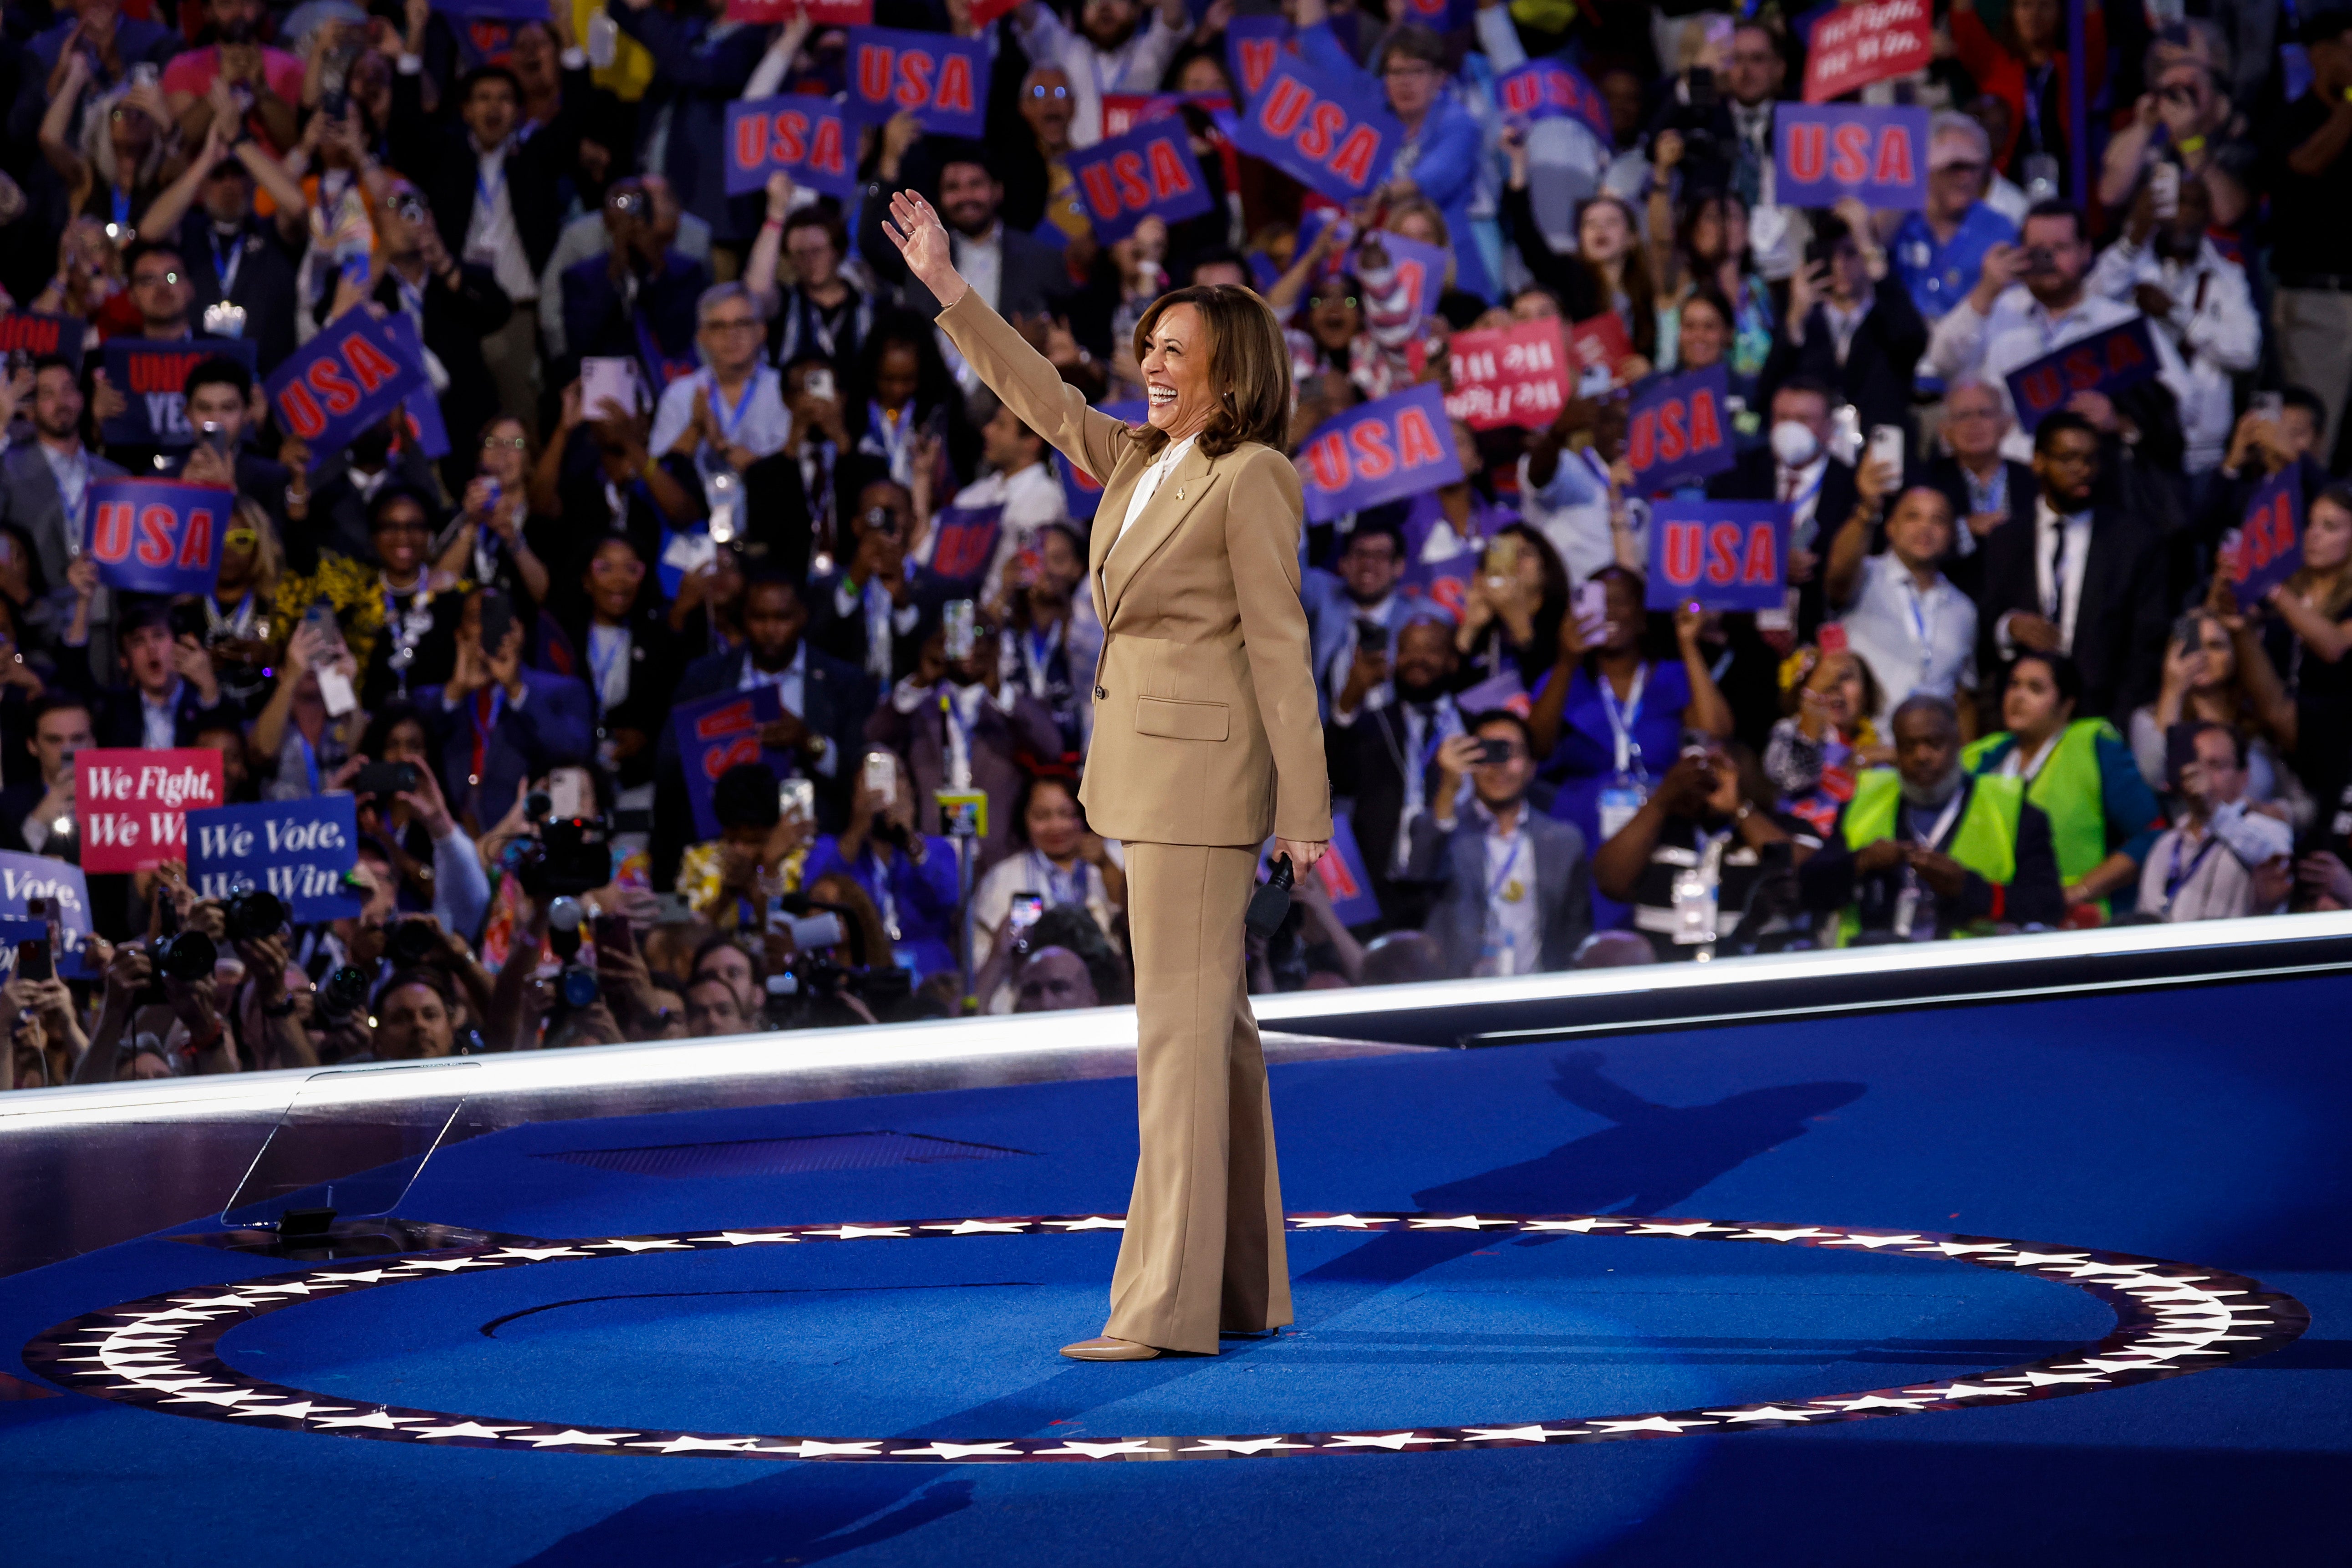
(1181, 720)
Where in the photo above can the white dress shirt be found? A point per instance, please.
(757, 421)
(2213, 325)
(1514, 935)
(2065, 598)
(1148, 484)
(792, 689)
(491, 238)
(1914, 640)
(1136, 66)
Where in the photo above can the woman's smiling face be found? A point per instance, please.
(1176, 373)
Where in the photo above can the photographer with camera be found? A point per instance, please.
(401, 808)
(163, 999)
(1715, 133)
(44, 1033)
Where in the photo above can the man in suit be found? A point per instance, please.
(172, 691)
(1797, 467)
(1017, 276)
(500, 724)
(825, 703)
(869, 612)
(1986, 489)
(2079, 575)
(1363, 591)
(460, 314)
(44, 489)
(1852, 324)
(957, 724)
(30, 811)
(1206, 740)
(1515, 893)
(1383, 743)
(637, 296)
(496, 197)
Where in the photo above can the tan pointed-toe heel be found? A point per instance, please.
(1109, 1350)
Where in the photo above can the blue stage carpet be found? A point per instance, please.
(2205, 1127)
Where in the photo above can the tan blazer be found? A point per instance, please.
(1206, 722)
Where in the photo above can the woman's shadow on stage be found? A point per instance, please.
(1653, 1158)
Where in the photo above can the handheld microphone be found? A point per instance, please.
(1271, 902)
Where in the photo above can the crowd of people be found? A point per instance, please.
(701, 443)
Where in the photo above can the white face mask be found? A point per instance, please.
(1795, 445)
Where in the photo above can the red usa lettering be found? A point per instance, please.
(1319, 130)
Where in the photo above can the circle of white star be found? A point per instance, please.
(159, 1352)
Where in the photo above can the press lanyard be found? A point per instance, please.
(1053, 883)
(1623, 720)
(487, 187)
(731, 421)
(121, 208)
(960, 741)
(73, 488)
(2035, 82)
(2016, 767)
(487, 706)
(2176, 879)
(1041, 651)
(1502, 879)
(1944, 822)
(309, 760)
(884, 896)
(895, 437)
(1923, 623)
(227, 270)
(234, 623)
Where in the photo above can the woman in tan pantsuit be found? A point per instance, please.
(1205, 741)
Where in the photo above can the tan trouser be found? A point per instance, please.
(1203, 1248)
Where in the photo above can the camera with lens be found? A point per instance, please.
(807, 992)
(564, 856)
(345, 992)
(254, 913)
(412, 942)
(576, 986)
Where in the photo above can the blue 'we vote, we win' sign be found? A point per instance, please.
(300, 851)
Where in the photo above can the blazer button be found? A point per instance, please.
(1100, 694)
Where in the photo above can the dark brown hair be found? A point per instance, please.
(1248, 361)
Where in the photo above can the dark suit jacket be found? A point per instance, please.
(16, 803)
(998, 739)
(266, 278)
(1563, 889)
(455, 322)
(29, 501)
(338, 514)
(1966, 572)
(1879, 363)
(836, 698)
(843, 636)
(657, 660)
(553, 726)
(116, 720)
(439, 158)
(1034, 276)
(599, 321)
(1364, 762)
(2120, 622)
(1756, 477)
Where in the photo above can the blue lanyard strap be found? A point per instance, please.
(1496, 883)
